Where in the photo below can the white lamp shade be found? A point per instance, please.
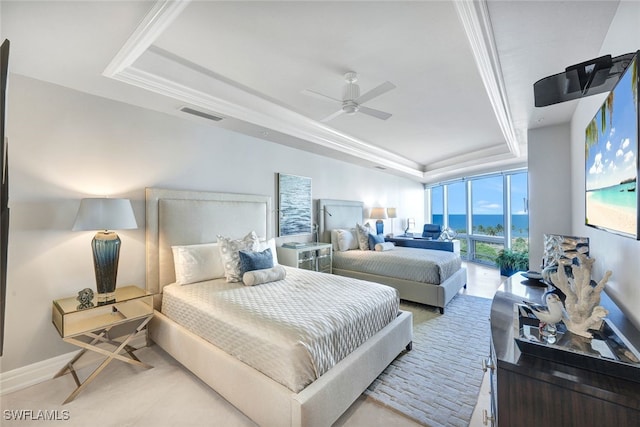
(378, 213)
(105, 214)
(391, 213)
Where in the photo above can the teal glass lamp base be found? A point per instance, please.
(379, 227)
(106, 252)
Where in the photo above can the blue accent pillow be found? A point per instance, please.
(250, 261)
(375, 238)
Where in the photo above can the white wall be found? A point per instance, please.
(550, 188)
(619, 254)
(65, 145)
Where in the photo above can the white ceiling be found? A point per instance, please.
(249, 62)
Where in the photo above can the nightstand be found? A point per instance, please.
(88, 327)
(309, 256)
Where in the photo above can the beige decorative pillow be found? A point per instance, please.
(258, 277)
(347, 240)
(229, 249)
(195, 263)
(363, 237)
(385, 246)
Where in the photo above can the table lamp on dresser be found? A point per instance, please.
(105, 215)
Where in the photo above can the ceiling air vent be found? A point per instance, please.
(382, 168)
(200, 114)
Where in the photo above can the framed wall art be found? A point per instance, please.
(294, 205)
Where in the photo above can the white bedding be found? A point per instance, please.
(292, 330)
(418, 265)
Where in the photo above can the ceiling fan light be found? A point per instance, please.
(350, 109)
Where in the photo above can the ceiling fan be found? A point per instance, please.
(352, 100)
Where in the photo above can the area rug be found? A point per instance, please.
(437, 383)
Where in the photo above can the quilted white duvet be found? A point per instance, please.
(292, 330)
(419, 265)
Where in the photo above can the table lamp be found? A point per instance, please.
(392, 213)
(379, 214)
(104, 214)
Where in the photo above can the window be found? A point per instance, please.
(487, 207)
(488, 212)
(457, 207)
(437, 205)
(519, 212)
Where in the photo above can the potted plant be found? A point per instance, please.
(510, 261)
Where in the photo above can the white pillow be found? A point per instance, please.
(271, 244)
(196, 263)
(229, 249)
(334, 240)
(347, 240)
(386, 246)
(258, 277)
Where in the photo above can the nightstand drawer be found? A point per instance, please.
(131, 303)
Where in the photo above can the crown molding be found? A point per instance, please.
(143, 65)
(475, 19)
(161, 15)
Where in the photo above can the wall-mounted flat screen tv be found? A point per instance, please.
(611, 159)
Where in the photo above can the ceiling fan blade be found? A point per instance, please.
(376, 91)
(373, 112)
(332, 116)
(320, 95)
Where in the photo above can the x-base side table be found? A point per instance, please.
(89, 327)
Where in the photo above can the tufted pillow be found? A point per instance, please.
(374, 239)
(196, 263)
(229, 249)
(363, 237)
(347, 240)
(258, 277)
(250, 261)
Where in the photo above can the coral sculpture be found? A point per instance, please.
(583, 311)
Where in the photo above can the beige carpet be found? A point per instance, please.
(165, 396)
(438, 381)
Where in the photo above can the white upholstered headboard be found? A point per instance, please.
(334, 214)
(177, 217)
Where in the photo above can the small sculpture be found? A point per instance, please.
(85, 298)
(552, 313)
(448, 234)
(582, 309)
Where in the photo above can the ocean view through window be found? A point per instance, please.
(489, 213)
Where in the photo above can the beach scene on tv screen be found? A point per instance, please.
(611, 160)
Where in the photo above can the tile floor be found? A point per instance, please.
(168, 395)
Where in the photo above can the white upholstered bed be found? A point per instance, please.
(435, 289)
(185, 218)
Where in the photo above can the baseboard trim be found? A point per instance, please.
(26, 376)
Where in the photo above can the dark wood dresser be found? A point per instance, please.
(532, 391)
